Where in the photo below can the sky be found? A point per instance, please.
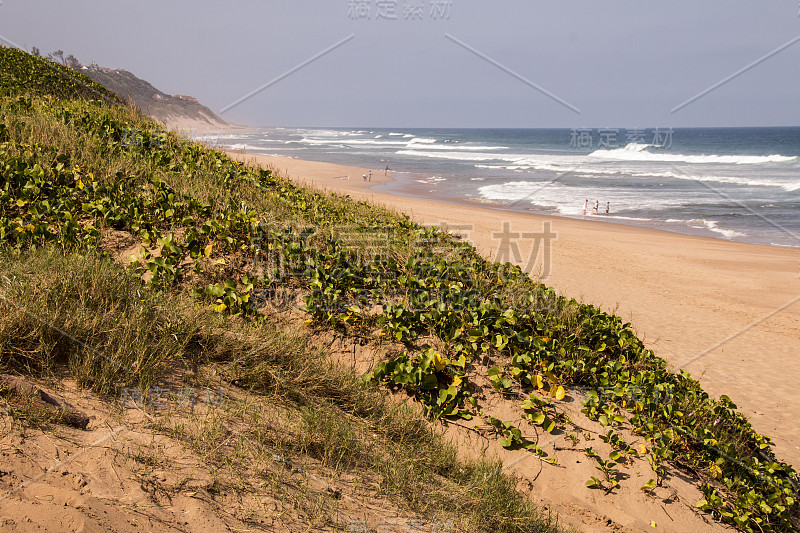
(443, 63)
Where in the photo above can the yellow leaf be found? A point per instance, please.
(457, 381)
(642, 449)
(438, 362)
(559, 393)
(309, 321)
(652, 523)
(29, 227)
(538, 382)
(207, 251)
(220, 262)
(79, 183)
(220, 308)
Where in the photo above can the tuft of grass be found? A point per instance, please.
(87, 314)
(348, 425)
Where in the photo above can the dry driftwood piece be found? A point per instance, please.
(65, 413)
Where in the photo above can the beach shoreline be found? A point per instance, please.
(706, 184)
(726, 311)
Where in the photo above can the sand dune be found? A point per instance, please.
(727, 312)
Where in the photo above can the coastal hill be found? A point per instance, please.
(176, 111)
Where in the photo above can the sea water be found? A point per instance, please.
(733, 183)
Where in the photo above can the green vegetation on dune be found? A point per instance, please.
(21, 72)
(240, 242)
(74, 172)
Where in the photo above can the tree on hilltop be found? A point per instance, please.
(59, 55)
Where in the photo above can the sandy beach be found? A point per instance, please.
(727, 312)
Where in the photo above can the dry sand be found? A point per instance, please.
(727, 312)
(194, 127)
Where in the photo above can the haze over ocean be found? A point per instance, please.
(734, 183)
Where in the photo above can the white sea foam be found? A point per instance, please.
(328, 133)
(788, 186)
(505, 167)
(465, 147)
(591, 172)
(639, 152)
(570, 200)
(713, 225)
(566, 200)
(350, 142)
(457, 156)
(431, 179)
(514, 161)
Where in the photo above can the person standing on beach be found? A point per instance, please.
(364, 176)
(596, 206)
(608, 207)
(585, 207)
(386, 172)
(370, 175)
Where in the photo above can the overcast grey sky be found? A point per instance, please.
(621, 63)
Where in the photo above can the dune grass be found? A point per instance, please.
(86, 315)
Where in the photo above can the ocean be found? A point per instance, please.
(740, 184)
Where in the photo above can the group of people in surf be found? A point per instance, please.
(596, 208)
